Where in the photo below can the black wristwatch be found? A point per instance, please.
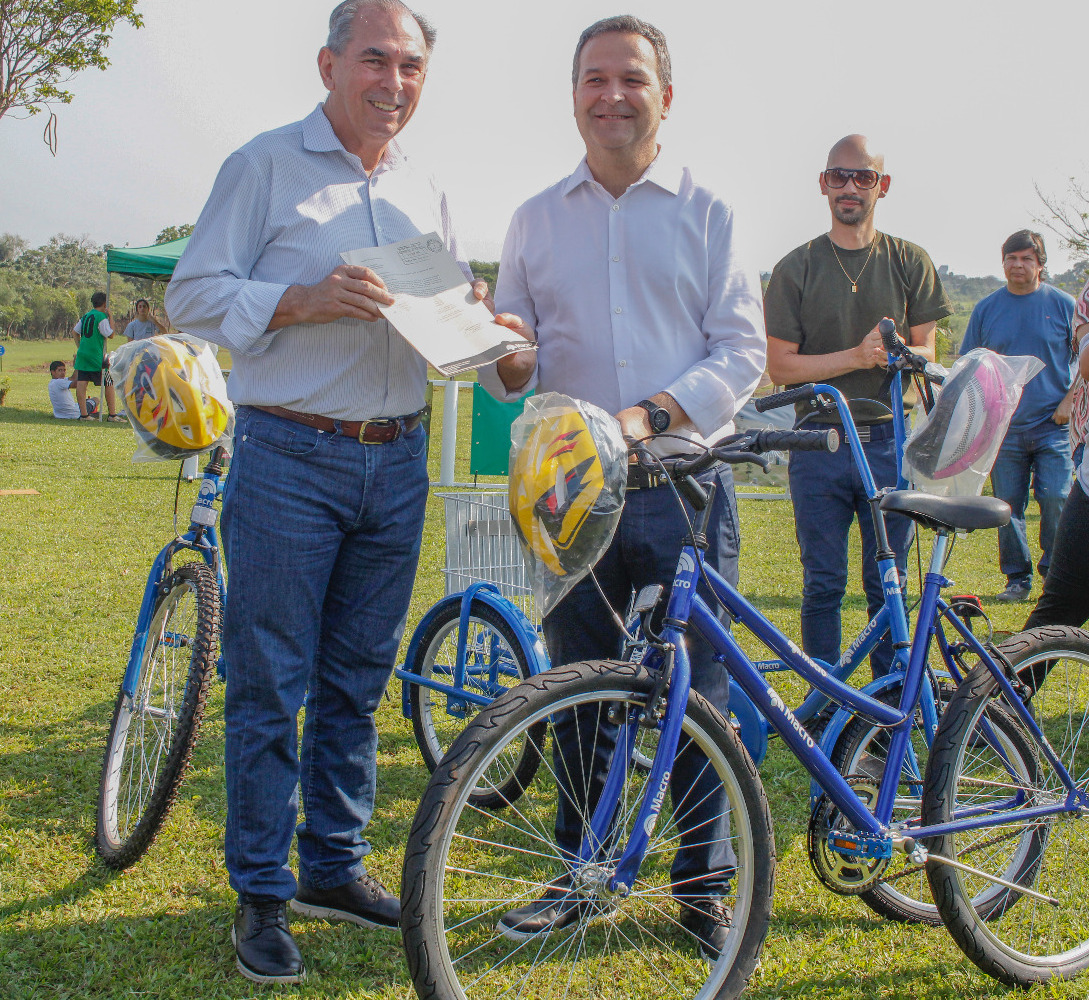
(658, 415)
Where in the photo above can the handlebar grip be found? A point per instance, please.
(887, 329)
(827, 440)
(777, 399)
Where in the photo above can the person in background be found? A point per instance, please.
(91, 332)
(822, 307)
(1065, 600)
(60, 396)
(1029, 317)
(146, 324)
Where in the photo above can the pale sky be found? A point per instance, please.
(972, 102)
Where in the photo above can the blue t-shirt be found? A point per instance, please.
(141, 329)
(1037, 324)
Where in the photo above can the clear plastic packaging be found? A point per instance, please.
(568, 473)
(174, 395)
(950, 450)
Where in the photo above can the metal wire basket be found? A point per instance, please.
(481, 544)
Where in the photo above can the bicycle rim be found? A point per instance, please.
(485, 864)
(1023, 940)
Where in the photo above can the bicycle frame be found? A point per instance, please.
(200, 538)
(686, 608)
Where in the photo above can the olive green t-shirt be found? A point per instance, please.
(809, 302)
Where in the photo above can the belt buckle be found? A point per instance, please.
(864, 433)
(388, 422)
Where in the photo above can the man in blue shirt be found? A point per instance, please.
(1027, 317)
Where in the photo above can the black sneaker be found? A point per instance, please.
(264, 949)
(707, 919)
(365, 902)
(559, 907)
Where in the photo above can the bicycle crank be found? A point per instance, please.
(846, 861)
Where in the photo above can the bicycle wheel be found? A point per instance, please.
(152, 733)
(1026, 939)
(465, 868)
(904, 891)
(494, 662)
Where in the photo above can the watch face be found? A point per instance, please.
(659, 420)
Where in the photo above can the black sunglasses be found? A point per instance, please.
(837, 177)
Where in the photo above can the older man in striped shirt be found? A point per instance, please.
(324, 507)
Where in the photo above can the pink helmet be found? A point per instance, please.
(972, 411)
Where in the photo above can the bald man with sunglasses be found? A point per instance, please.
(822, 307)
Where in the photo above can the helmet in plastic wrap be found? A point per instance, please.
(563, 507)
(968, 415)
(165, 397)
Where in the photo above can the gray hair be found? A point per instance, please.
(340, 22)
(628, 25)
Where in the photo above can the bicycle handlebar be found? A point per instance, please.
(749, 447)
(887, 329)
(777, 399)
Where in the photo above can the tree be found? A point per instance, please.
(174, 233)
(10, 247)
(65, 262)
(44, 43)
(1069, 217)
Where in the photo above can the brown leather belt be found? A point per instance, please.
(380, 431)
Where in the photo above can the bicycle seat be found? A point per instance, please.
(948, 513)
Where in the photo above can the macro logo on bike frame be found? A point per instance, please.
(778, 703)
(685, 566)
(656, 805)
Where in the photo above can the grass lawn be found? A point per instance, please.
(73, 560)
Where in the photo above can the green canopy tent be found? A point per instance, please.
(156, 263)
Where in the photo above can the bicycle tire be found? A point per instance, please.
(1029, 941)
(491, 646)
(904, 894)
(152, 734)
(461, 862)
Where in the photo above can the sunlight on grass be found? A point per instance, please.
(73, 561)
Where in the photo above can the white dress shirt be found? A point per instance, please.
(282, 210)
(635, 295)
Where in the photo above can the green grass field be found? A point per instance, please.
(73, 560)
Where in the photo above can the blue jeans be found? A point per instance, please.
(1040, 455)
(645, 550)
(323, 535)
(827, 493)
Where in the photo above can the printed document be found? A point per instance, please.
(434, 308)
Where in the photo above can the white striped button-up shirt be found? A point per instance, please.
(634, 295)
(282, 210)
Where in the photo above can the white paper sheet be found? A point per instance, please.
(435, 309)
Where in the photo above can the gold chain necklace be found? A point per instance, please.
(854, 281)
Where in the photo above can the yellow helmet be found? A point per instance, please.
(165, 397)
(556, 487)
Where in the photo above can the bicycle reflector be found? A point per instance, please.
(164, 393)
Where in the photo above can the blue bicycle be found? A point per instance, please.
(1000, 822)
(160, 705)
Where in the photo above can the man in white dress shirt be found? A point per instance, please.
(632, 279)
(324, 506)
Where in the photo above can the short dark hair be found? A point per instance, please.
(54, 365)
(340, 22)
(145, 302)
(1026, 239)
(628, 25)
(98, 299)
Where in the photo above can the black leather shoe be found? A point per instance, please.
(365, 902)
(707, 919)
(264, 949)
(556, 909)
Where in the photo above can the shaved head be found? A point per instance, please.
(854, 151)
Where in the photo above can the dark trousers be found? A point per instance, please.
(827, 493)
(644, 551)
(1065, 600)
